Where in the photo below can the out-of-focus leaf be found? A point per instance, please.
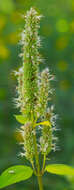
(4, 52)
(60, 169)
(6, 6)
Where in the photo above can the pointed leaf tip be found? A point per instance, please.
(47, 123)
(15, 174)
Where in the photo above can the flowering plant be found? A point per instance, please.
(37, 119)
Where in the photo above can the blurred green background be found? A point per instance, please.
(57, 31)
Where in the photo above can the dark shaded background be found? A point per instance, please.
(57, 30)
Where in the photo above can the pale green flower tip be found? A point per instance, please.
(33, 13)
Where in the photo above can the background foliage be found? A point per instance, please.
(57, 30)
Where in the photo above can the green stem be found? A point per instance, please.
(40, 182)
(44, 159)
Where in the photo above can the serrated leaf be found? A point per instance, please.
(47, 123)
(15, 174)
(21, 119)
(60, 169)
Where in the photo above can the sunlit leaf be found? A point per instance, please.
(47, 123)
(21, 119)
(60, 169)
(15, 174)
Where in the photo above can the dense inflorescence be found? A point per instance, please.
(33, 90)
(27, 136)
(43, 93)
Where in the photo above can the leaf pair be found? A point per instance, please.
(19, 173)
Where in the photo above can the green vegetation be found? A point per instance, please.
(33, 95)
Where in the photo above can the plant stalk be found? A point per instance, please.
(44, 159)
(40, 182)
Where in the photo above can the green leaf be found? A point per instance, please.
(47, 123)
(21, 119)
(60, 169)
(15, 174)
